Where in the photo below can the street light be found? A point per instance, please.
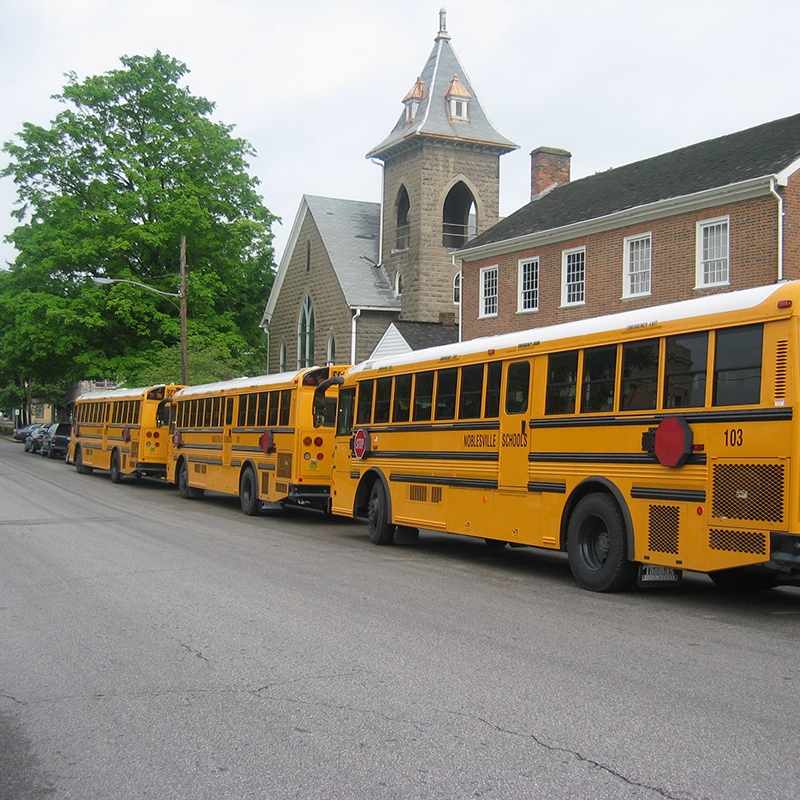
(181, 295)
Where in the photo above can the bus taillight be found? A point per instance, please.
(317, 441)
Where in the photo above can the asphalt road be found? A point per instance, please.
(153, 647)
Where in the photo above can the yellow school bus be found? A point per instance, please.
(125, 431)
(267, 439)
(643, 443)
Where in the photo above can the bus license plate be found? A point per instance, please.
(652, 575)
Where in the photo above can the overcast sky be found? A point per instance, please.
(314, 84)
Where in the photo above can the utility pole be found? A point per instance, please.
(184, 344)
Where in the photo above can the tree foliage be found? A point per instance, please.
(131, 163)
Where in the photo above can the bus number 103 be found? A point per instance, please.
(733, 437)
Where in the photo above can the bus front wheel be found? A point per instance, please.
(597, 545)
(248, 494)
(381, 531)
(116, 472)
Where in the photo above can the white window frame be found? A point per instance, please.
(702, 272)
(528, 291)
(630, 262)
(459, 109)
(565, 287)
(398, 284)
(457, 289)
(487, 300)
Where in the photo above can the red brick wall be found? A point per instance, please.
(753, 261)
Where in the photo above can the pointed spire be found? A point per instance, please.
(456, 89)
(443, 34)
(417, 91)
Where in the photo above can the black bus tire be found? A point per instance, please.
(597, 545)
(116, 472)
(381, 531)
(248, 493)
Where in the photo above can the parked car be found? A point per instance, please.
(55, 441)
(20, 434)
(33, 441)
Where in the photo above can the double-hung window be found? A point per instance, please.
(637, 266)
(528, 285)
(713, 248)
(488, 298)
(573, 277)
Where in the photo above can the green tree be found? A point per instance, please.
(131, 163)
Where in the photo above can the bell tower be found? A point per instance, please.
(441, 183)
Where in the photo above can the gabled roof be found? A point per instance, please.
(736, 160)
(432, 118)
(404, 336)
(350, 231)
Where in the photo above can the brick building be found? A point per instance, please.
(712, 217)
(351, 269)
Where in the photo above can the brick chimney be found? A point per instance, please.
(549, 168)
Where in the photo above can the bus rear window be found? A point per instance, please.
(737, 366)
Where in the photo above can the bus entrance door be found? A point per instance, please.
(518, 509)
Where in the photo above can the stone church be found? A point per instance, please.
(360, 277)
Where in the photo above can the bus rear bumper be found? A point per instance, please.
(784, 549)
(303, 495)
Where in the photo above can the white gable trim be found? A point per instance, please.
(283, 267)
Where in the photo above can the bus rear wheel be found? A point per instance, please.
(184, 490)
(248, 494)
(381, 531)
(597, 545)
(116, 472)
(79, 466)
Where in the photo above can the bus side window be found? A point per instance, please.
(469, 402)
(364, 411)
(242, 416)
(263, 400)
(737, 366)
(423, 396)
(402, 399)
(286, 406)
(446, 384)
(639, 375)
(517, 387)
(252, 407)
(599, 375)
(383, 399)
(229, 411)
(344, 415)
(491, 408)
(562, 382)
(216, 418)
(274, 405)
(685, 370)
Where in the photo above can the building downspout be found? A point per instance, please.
(353, 327)
(773, 184)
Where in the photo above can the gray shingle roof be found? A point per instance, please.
(420, 335)
(350, 230)
(761, 151)
(432, 118)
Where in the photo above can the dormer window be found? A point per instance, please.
(413, 99)
(457, 98)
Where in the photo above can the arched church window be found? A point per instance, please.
(331, 349)
(457, 289)
(398, 284)
(305, 335)
(403, 229)
(458, 222)
(282, 358)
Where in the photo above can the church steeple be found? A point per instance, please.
(442, 78)
(440, 183)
